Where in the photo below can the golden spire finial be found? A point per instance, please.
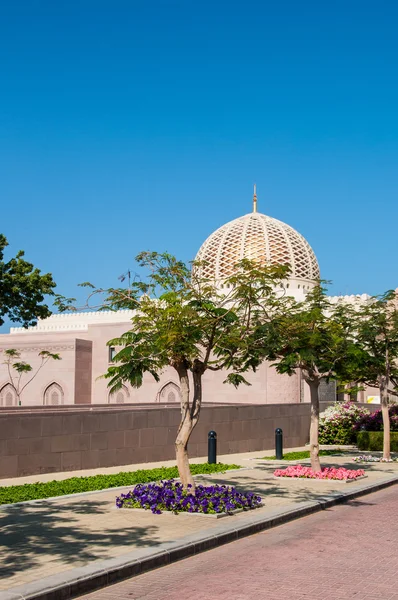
(255, 199)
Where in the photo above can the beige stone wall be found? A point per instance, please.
(47, 440)
(61, 371)
(79, 372)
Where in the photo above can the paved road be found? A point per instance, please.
(349, 551)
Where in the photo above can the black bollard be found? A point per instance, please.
(212, 448)
(278, 443)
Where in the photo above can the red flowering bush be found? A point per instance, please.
(374, 421)
(340, 473)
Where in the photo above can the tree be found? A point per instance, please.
(377, 337)
(315, 337)
(21, 368)
(191, 324)
(22, 289)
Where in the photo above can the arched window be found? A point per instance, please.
(169, 393)
(8, 395)
(119, 397)
(54, 395)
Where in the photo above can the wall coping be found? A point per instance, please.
(76, 321)
(79, 321)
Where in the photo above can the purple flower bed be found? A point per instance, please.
(171, 496)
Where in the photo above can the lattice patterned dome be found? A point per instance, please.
(261, 238)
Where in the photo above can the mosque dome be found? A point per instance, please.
(261, 238)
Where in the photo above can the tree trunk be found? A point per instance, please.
(181, 445)
(189, 418)
(314, 443)
(184, 431)
(383, 387)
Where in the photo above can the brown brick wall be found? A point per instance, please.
(50, 440)
(83, 371)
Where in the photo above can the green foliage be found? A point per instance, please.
(313, 335)
(375, 328)
(300, 455)
(22, 289)
(377, 337)
(336, 425)
(187, 322)
(76, 485)
(183, 320)
(235, 379)
(373, 440)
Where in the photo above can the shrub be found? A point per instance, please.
(373, 440)
(340, 473)
(76, 485)
(374, 421)
(336, 425)
(171, 496)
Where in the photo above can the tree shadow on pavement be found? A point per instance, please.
(356, 503)
(33, 534)
(290, 491)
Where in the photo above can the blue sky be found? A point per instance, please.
(127, 126)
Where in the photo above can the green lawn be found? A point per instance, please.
(303, 454)
(76, 485)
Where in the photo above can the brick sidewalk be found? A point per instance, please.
(50, 543)
(239, 459)
(346, 552)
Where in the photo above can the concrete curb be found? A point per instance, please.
(82, 580)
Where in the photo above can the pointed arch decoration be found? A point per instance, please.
(8, 395)
(169, 393)
(119, 397)
(53, 395)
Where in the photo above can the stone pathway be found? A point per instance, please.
(239, 459)
(38, 540)
(345, 552)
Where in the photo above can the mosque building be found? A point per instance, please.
(81, 338)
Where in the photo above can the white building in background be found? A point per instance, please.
(81, 338)
(261, 238)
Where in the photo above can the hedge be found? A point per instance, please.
(373, 440)
(75, 485)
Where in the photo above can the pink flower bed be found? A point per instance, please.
(327, 473)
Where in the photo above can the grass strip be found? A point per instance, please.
(76, 485)
(304, 454)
